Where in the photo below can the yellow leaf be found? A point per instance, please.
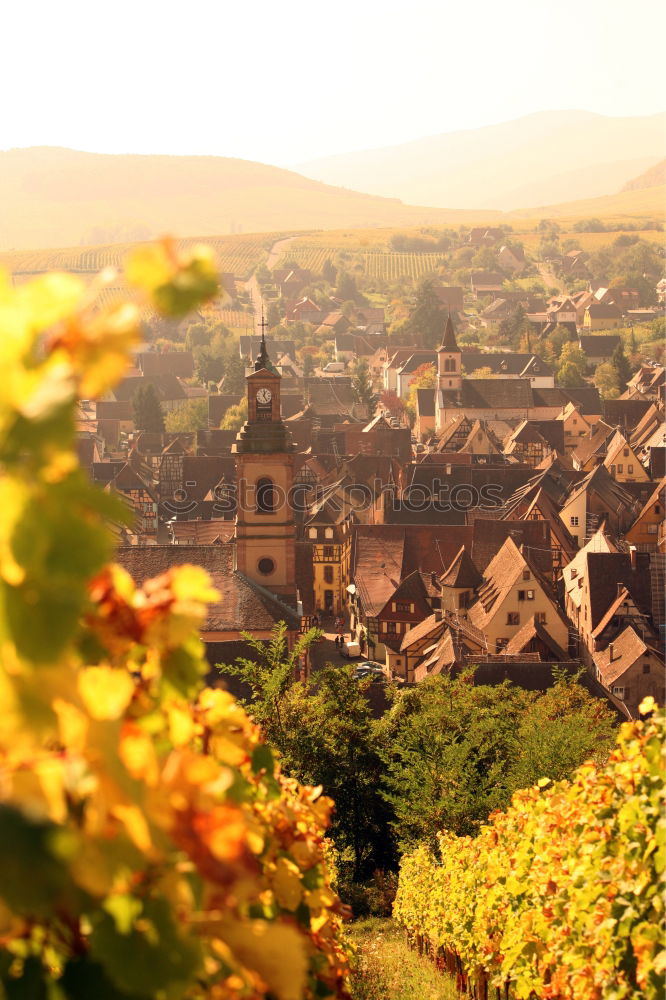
(181, 726)
(106, 692)
(193, 584)
(276, 951)
(149, 266)
(72, 724)
(287, 884)
(134, 822)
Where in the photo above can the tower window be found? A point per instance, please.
(266, 566)
(265, 496)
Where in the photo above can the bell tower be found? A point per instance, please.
(449, 360)
(265, 526)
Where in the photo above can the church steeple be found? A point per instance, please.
(265, 524)
(449, 342)
(262, 360)
(449, 360)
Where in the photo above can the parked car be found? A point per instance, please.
(369, 669)
(351, 650)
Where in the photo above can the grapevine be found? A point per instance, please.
(149, 844)
(561, 896)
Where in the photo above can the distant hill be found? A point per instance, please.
(627, 205)
(651, 178)
(544, 158)
(55, 197)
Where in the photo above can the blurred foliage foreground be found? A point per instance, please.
(149, 844)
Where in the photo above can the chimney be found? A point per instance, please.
(632, 556)
(438, 614)
(620, 588)
(434, 579)
(610, 653)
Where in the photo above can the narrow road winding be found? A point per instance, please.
(252, 285)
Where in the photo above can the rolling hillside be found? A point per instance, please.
(55, 197)
(544, 158)
(651, 178)
(648, 202)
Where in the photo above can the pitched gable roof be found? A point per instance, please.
(462, 572)
(621, 654)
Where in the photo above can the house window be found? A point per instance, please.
(513, 618)
(646, 668)
(404, 606)
(652, 529)
(391, 628)
(573, 521)
(526, 574)
(618, 691)
(463, 599)
(329, 552)
(525, 595)
(501, 644)
(620, 468)
(328, 574)
(630, 469)
(312, 532)
(540, 617)
(626, 453)
(328, 533)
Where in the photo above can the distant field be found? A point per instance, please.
(590, 241)
(236, 254)
(387, 265)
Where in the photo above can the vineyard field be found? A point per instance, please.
(236, 254)
(386, 265)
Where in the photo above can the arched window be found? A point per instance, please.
(265, 496)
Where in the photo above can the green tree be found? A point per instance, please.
(621, 366)
(198, 334)
(308, 365)
(455, 751)
(425, 377)
(273, 315)
(234, 375)
(426, 322)
(325, 734)
(209, 368)
(148, 413)
(346, 288)
(559, 730)
(191, 416)
(606, 381)
(362, 387)
(235, 416)
(329, 271)
(269, 675)
(572, 366)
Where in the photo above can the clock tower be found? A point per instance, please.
(265, 526)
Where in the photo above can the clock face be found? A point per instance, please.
(264, 396)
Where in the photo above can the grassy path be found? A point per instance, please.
(386, 969)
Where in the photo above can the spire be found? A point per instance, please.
(462, 572)
(449, 339)
(262, 358)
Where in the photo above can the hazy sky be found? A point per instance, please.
(284, 82)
